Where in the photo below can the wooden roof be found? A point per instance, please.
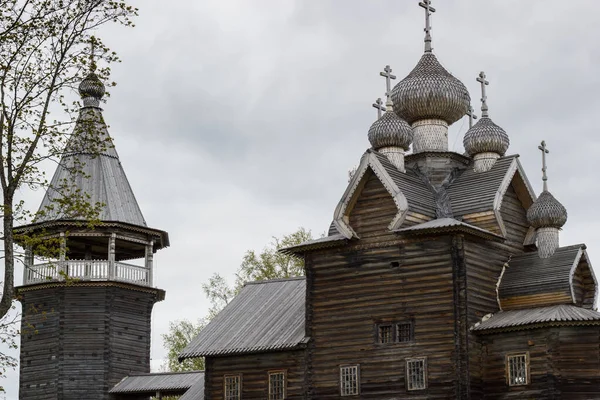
(163, 382)
(264, 316)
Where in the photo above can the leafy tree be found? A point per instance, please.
(44, 53)
(268, 264)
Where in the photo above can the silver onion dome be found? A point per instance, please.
(390, 131)
(547, 212)
(486, 137)
(430, 92)
(91, 86)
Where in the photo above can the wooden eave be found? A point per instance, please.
(540, 325)
(458, 228)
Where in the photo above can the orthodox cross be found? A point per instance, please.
(484, 83)
(426, 4)
(92, 54)
(387, 74)
(544, 152)
(472, 116)
(379, 106)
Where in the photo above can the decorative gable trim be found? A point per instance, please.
(346, 204)
(582, 254)
(515, 167)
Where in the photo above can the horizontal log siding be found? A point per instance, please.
(584, 285)
(350, 291)
(254, 369)
(484, 261)
(97, 334)
(577, 362)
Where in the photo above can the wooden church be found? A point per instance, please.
(441, 277)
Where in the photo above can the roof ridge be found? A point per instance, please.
(259, 282)
(165, 373)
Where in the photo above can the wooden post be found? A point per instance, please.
(158, 395)
(28, 263)
(111, 256)
(149, 261)
(63, 271)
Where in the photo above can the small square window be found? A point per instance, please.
(416, 374)
(233, 387)
(277, 385)
(349, 380)
(404, 332)
(518, 369)
(385, 334)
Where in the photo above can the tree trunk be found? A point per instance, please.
(8, 293)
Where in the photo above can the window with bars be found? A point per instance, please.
(349, 380)
(233, 387)
(394, 332)
(518, 369)
(277, 385)
(404, 332)
(416, 374)
(385, 334)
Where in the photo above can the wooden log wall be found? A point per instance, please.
(89, 338)
(254, 370)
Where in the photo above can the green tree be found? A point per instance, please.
(45, 52)
(268, 264)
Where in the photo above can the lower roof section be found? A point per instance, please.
(161, 382)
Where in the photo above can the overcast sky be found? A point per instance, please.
(238, 120)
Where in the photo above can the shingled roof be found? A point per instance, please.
(264, 316)
(167, 382)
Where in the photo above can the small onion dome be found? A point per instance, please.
(91, 86)
(547, 212)
(430, 92)
(390, 131)
(486, 137)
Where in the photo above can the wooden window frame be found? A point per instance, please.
(278, 372)
(239, 391)
(412, 331)
(355, 367)
(408, 361)
(391, 325)
(395, 331)
(527, 368)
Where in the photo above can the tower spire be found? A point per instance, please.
(484, 83)
(387, 74)
(379, 106)
(544, 151)
(426, 4)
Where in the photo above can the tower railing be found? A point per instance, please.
(88, 270)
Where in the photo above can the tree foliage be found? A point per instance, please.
(44, 54)
(264, 265)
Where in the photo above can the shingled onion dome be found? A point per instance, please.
(485, 141)
(548, 216)
(392, 136)
(91, 90)
(430, 98)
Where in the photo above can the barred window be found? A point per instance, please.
(349, 380)
(277, 385)
(416, 374)
(385, 334)
(233, 387)
(518, 369)
(404, 332)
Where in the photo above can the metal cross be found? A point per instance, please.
(544, 152)
(379, 106)
(472, 116)
(426, 4)
(387, 74)
(484, 83)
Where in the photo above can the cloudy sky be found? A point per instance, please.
(238, 120)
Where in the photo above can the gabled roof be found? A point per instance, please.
(264, 316)
(165, 382)
(557, 315)
(196, 392)
(444, 225)
(102, 176)
(531, 280)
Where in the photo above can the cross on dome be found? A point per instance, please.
(379, 106)
(544, 151)
(387, 74)
(472, 116)
(484, 83)
(92, 54)
(426, 4)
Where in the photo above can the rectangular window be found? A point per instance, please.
(404, 332)
(385, 334)
(518, 369)
(277, 385)
(233, 387)
(349, 380)
(416, 373)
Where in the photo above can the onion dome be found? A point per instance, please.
(91, 88)
(390, 131)
(486, 137)
(430, 92)
(547, 212)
